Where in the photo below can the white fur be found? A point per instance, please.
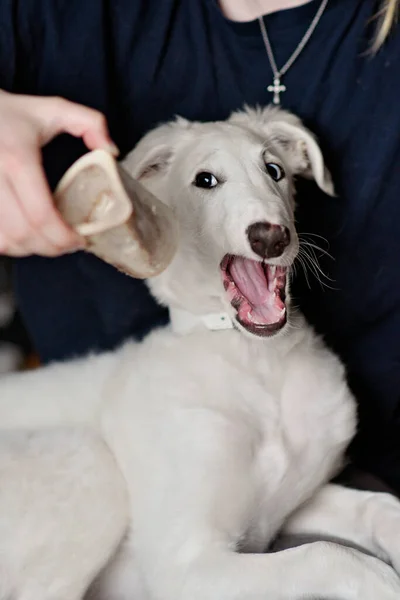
(191, 452)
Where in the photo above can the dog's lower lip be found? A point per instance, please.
(257, 302)
(265, 330)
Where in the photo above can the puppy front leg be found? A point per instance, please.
(319, 570)
(369, 520)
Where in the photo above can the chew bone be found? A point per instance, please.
(123, 223)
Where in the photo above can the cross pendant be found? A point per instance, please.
(277, 88)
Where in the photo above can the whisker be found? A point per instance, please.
(314, 235)
(309, 259)
(315, 262)
(311, 262)
(310, 245)
(304, 267)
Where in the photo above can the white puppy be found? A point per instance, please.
(163, 470)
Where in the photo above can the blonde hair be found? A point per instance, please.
(387, 19)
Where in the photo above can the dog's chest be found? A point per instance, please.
(294, 427)
(295, 434)
(294, 455)
(256, 434)
(286, 474)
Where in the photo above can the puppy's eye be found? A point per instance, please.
(275, 171)
(205, 180)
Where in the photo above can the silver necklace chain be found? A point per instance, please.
(277, 88)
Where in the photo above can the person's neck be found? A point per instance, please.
(248, 10)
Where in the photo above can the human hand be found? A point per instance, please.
(29, 221)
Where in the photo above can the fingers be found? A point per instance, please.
(35, 197)
(15, 230)
(79, 121)
(29, 223)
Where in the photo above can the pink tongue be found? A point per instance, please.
(262, 305)
(251, 280)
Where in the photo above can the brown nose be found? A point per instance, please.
(267, 240)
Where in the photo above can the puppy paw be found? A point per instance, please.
(386, 528)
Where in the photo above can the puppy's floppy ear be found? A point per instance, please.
(295, 142)
(154, 153)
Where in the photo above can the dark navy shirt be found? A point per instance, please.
(142, 62)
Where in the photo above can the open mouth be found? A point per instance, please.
(256, 290)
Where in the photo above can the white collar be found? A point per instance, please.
(182, 321)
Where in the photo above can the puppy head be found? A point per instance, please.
(231, 187)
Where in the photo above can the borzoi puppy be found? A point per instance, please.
(163, 470)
